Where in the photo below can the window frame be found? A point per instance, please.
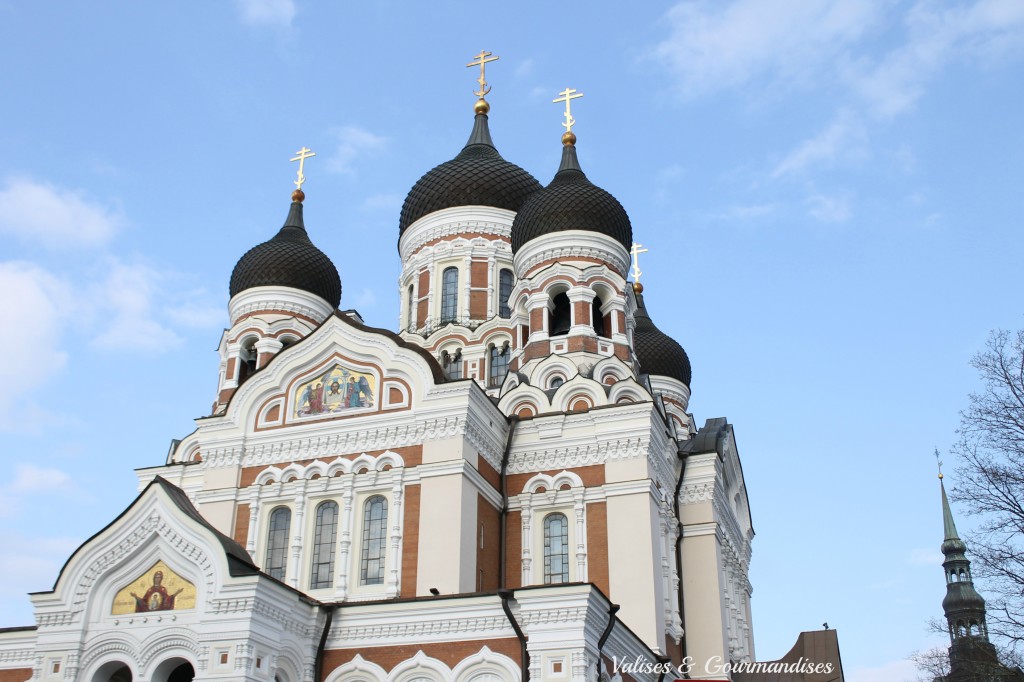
(278, 571)
(564, 575)
(331, 546)
(366, 536)
(449, 308)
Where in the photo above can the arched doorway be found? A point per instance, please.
(114, 671)
(174, 670)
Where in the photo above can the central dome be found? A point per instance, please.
(571, 202)
(478, 176)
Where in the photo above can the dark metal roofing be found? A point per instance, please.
(290, 260)
(571, 202)
(478, 176)
(658, 353)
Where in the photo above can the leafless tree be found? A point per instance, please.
(931, 664)
(990, 481)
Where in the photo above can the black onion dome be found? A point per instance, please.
(657, 352)
(288, 260)
(571, 202)
(478, 176)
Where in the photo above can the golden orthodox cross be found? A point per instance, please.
(303, 154)
(635, 252)
(481, 60)
(567, 96)
(939, 461)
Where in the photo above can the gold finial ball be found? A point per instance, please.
(638, 288)
(940, 476)
(569, 138)
(481, 106)
(298, 195)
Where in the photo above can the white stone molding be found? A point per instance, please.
(345, 543)
(475, 668)
(358, 670)
(286, 299)
(420, 668)
(452, 222)
(569, 244)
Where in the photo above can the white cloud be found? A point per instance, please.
(34, 304)
(746, 212)
(29, 478)
(714, 45)
(353, 141)
(845, 137)
(126, 306)
(364, 298)
(893, 671)
(937, 33)
(275, 13)
(58, 218)
(829, 209)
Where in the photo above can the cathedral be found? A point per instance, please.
(509, 486)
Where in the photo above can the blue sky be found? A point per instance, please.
(831, 193)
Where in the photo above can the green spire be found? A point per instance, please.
(947, 516)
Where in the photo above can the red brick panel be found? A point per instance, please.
(22, 674)
(410, 540)
(514, 550)
(242, 524)
(489, 556)
(449, 653)
(478, 305)
(591, 476)
(597, 546)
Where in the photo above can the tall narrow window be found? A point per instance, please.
(597, 317)
(560, 318)
(556, 549)
(322, 571)
(499, 366)
(452, 364)
(277, 542)
(375, 527)
(411, 307)
(504, 292)
(449, 294)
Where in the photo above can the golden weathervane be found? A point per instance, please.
(301, 157)
(635, 252)
(482, 60)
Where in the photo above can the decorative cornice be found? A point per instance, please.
(453, 221)
(568, 245)
(287, 299)
(581, 455)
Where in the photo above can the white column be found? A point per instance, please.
(395, 521)
(580, 295)
(345, 544)
(580, 511)
(467, 287)
(298, 526)
(254, 515)
(526, 513)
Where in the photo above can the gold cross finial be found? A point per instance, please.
(482, 60)
(635, 252)
(301, 157)
(939, 462)
(567, 96)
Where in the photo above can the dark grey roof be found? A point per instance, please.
(478, 176)
(571, 202)
(239, 561)
(658, 353)
(290, 260)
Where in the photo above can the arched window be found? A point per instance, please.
(375, 527)
(277, 542)
(247, 357)
(504, 292)
(560, 318)
(449, 294)
(411, 307)
(597, 317)
(556, 549)
(451, 363)
(499, 366)
(556, 381)
(321, 573)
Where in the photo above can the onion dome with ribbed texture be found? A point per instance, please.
(571, 202)
(288, 260)
(478, 176)
(658, 353)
